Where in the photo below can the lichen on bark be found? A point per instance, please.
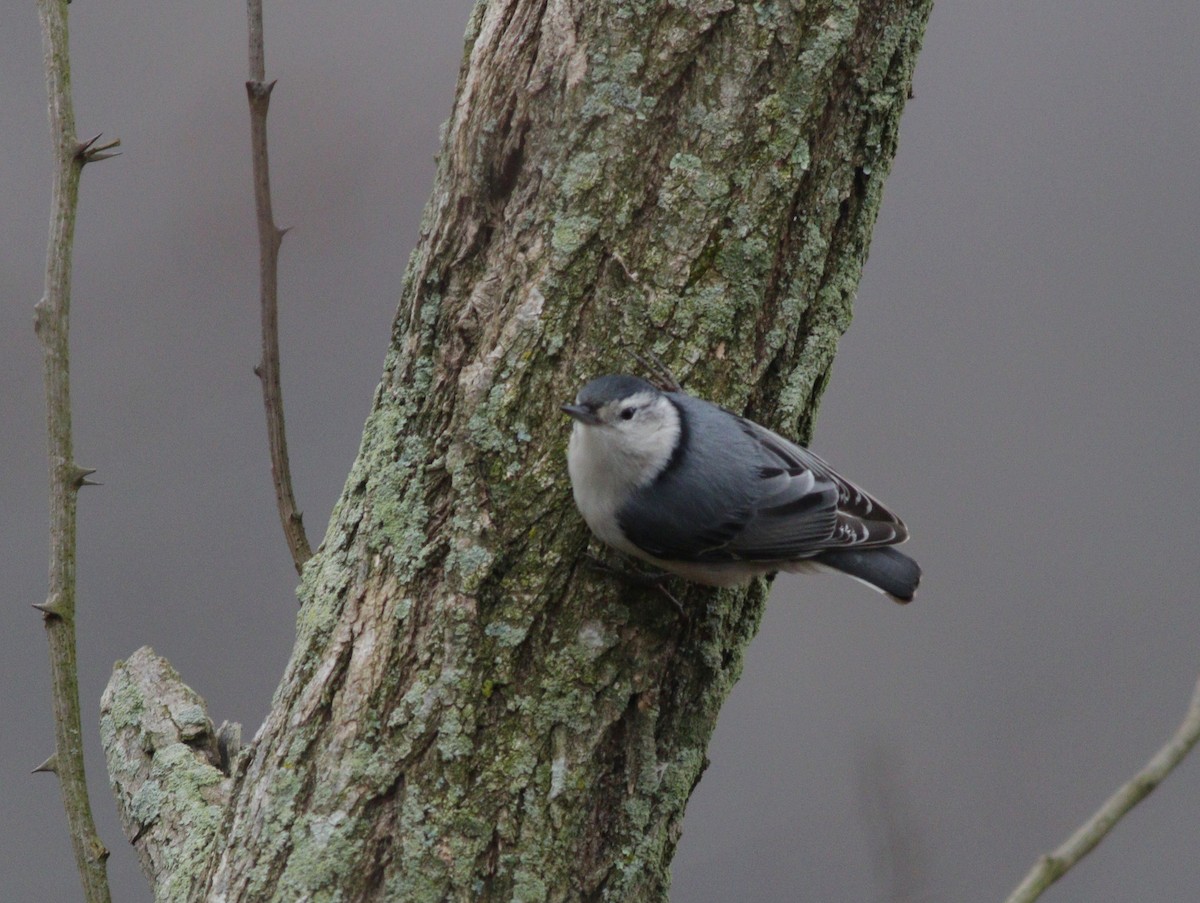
(469, 711)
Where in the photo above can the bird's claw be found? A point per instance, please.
(644, 579)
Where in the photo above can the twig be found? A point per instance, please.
(893, 830)
(51, 322)
(258, 91)
(661, 373)
(1052, 867)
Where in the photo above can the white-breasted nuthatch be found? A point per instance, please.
(713, 497)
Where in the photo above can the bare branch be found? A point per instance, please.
(893, 830)
(258, 92)
(1051, 867)
(51, 322)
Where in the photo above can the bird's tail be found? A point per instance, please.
(882, 568)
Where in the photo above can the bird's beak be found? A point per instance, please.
(582, 413)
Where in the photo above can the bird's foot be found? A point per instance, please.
(644, 579)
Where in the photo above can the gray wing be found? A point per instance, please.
(763, 499)
(859, 519)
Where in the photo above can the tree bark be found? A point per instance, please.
(469, 712)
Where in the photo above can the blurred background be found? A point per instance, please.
(1020, 382)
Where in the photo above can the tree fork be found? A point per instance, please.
(469, 713)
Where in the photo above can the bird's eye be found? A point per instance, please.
(627, 413)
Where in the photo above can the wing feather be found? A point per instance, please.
(859, 518)
(787, 505)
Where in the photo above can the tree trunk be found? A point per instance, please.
(470, 712)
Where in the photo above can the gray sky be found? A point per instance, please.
(1020, 382)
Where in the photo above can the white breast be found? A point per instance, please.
(609, 461)
(601, 483)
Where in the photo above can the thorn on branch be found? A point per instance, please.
(260, 90)
(90, 152)
(41, 318)
(51, 608)
(50, 765)
(78, 477)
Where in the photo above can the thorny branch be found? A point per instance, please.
(51, 322)
(258, 92)
(1050, 868)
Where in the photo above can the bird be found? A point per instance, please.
(700, 492)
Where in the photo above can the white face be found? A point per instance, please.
(617, 447)
(631, 438)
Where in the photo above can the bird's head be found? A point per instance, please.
(624, 423)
